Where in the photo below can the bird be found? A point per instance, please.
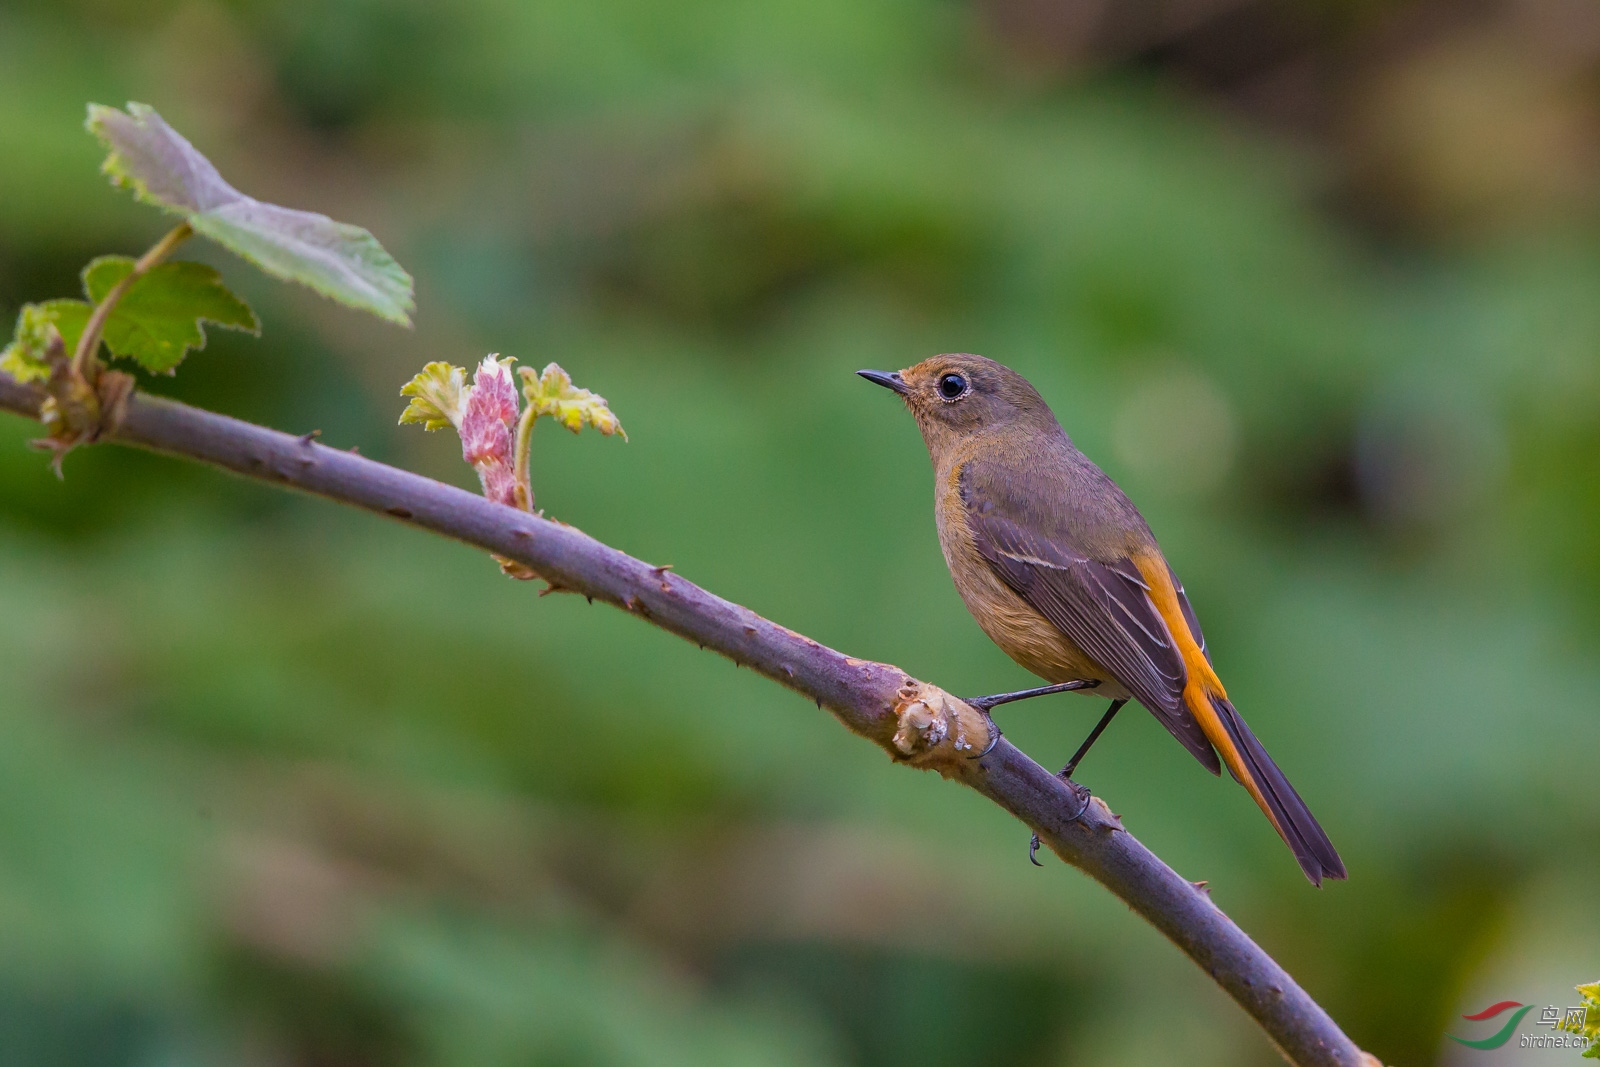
(1060, 569)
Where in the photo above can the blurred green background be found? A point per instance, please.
(1319, 284)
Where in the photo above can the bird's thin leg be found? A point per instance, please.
(1072, 765)
(983, 704)
(1094, 735)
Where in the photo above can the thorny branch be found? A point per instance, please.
(913, 721)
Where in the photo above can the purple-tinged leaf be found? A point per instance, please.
(342, 262)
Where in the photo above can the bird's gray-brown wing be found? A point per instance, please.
(1103, 607)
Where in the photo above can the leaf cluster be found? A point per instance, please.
(158, 318)
(155, 312)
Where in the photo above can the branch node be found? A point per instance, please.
(935, 730)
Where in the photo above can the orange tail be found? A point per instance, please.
(1253, 768)
(1246, 759)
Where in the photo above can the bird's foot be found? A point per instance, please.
(984, 704)
(1079, 790)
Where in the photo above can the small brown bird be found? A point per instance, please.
(1062, 572)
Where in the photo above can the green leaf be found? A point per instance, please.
(437, 397)
(340, 261)
(159, 318)
(27, 358)
(1590, 1027)
(552, 393)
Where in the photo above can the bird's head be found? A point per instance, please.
(957, 396)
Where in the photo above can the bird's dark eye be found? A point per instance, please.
(952, 386)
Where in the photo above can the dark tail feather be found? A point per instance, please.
(1298, 826)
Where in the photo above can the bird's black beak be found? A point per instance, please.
(887, 379)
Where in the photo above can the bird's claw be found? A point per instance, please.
(994, 732)
(987, 703)
(1033, 842)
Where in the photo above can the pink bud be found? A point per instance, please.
(487, 422)
(499, 482)
(490, 413)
